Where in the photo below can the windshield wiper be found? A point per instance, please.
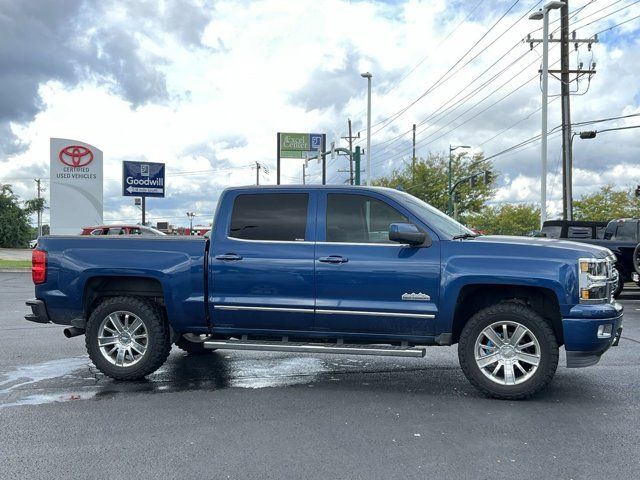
(464, 235)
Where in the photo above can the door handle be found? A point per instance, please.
(228, 256)
(333, 259)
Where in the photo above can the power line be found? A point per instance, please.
(607, 15)
(618, 24)
(573, 15)
(618, 128)
(468, 96)
(387, 121)
(400, 136)
(425, 58)
(462, 100)
(474, 116)
(608, 119)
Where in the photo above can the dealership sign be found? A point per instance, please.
(76, 194)
(142, 179)
(299, 145)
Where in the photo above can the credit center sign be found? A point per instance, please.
(142, 179)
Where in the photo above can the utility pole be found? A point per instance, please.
(565, 93)
(350, 139)
(413, 158)
(37, 180)
(304, 173)
(257, 173)
(368, 76)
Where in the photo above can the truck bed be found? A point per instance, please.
(78, 264)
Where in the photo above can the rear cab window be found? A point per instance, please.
(280, 217)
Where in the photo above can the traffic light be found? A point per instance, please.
(638, 191)
(488, 178)
(474, 181)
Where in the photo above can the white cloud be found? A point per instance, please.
(250, 69)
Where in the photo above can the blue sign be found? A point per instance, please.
(316, 141)
(142, 179)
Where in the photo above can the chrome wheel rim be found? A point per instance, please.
(507, 353)
(123, 338)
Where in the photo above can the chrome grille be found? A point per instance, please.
(612, 277)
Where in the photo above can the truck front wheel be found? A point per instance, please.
(508, 351)
(127, 338)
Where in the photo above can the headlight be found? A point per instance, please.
(595, 278)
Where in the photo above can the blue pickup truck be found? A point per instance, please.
(319, 269)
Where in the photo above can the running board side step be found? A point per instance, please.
(335, 348)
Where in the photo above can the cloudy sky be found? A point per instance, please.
(204, 86)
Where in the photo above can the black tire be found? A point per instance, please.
(636, 258)
(158, 344)
(515, 313)
(620, 287)
(191, 347)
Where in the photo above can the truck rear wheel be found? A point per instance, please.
(127, 338)
(508, 351)
(193, 344)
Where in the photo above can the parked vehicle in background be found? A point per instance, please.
(33, 243)
(621, 236)
(121, 230)
(197, 231)
(328, 269)
(572, 229)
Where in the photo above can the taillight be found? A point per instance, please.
(39, 266)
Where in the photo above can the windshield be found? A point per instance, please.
(432, 216)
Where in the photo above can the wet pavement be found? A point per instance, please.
(275, 415)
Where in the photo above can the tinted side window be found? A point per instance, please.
(115, 231)
(278, 216)
(626, 231)
(360, 219)
(551, 231)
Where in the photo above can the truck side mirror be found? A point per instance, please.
(406, 233)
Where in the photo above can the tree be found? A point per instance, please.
(607, 204)
(507, 219)
(429, 181)
(14, 225)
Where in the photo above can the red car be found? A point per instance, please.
(120, 230)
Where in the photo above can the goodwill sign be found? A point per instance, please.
(142, 179)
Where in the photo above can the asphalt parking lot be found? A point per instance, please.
(273, 415)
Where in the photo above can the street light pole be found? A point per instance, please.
(368, 76)
(449, 193)
(191, 215)
(544, 16)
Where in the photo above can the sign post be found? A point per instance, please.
(143, 179)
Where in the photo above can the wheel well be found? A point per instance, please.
(474, 298)
(99, 287)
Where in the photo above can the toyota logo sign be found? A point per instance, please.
(76, 156)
